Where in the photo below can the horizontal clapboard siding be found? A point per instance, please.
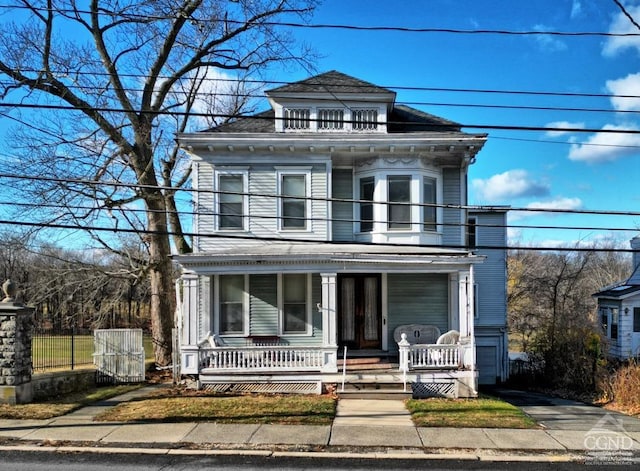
(343, 211)
(490, 276)
(452, 231)
(263, 304)
(418, 299)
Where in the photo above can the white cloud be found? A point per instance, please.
(621, 24)
(607, 146)
(562, 203)
(629, 86)
(547, 42)
(576, 8)
(562, 125)
(510, 184)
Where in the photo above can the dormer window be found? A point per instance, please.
(364, 120)
(329, 120)
(297, 118)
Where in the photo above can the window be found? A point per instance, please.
(367, 187)
(330, 119)
(399, 206)
(471, 233)
(609, 321)
(293, 205)
(231, 289)
(429, 211)
(294, 303)
(614, 323)
(231, 201)
(297, 118)
(636, 319)
(364, 120)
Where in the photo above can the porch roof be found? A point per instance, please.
(321, 256)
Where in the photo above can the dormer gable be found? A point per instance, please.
(331, 102)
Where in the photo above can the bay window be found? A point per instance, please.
(399, 206)
(367, 187)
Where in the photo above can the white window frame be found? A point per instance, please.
(280, 174)
(303, 120)
(245, 200)
(308, 310)
(365, 125)
(336, 124)
(217, 310)
(360, 200)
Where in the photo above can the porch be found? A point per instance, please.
(419, 370)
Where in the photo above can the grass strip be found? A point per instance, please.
(61, 405)
(483, 412)
(197, 406)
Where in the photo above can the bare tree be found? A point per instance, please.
(113, 81)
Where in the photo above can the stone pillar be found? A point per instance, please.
(16, 330)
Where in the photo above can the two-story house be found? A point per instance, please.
(335, 224)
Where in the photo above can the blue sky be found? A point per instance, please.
(517, 168)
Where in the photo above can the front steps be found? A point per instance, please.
(372, 378)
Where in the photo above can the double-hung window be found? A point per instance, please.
(294, 202)
(609, 318)
(367, 187)
(399, 202)
(231, 294)
(295, 303)
(429, 199)
(231, 201)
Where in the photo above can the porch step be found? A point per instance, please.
(367, 364)
(374, 390)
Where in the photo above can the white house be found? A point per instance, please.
(335, 222)
(619, 311)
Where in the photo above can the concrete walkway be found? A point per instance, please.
(361, 426)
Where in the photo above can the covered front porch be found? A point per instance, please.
(354, 305)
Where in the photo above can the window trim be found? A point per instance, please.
(337, 125)
(304, 119)
(281, 173)
(308, 311)
(245, 200)
(362, 201)
(423, 202)
(410, 204)
(218, 310)
(609, 313)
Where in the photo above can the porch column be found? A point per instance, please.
(188, 324)
(329, 310)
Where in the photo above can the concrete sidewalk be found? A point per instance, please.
(360, 426)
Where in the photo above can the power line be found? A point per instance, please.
(425, 126)
(399, 29)
(326, 200)
(315, 241)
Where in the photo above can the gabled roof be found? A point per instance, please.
(330, 82)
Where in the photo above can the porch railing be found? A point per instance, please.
(435, 356)
(264, 358)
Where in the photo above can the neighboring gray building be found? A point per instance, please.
(619, 311)
(339, 219)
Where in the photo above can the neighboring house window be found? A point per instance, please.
(294, 303)
(330, 120)
(367, 187)
(231, 201)
(429, 199)
(609, 322)
(471, 233)
(364, 120)
(294, 202)
(231, 304)
(399, 205)
(636, 319)
(297, 118)
(614, 323)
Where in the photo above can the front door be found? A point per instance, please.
(360, 319)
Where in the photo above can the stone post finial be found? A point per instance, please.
(9, 289)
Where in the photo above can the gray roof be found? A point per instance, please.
(330, 82)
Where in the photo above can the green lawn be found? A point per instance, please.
(483, 412)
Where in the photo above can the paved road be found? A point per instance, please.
(563, 414)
